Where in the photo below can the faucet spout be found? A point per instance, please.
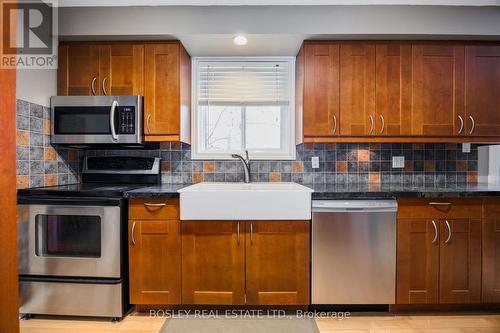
(246, 164)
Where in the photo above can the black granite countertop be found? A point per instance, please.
(156, 191)
(351, 191)
(375, 191)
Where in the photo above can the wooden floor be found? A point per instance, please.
(142, 323)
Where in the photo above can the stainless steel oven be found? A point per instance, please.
(70, 240)
(96, 120)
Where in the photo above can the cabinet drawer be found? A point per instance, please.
(153, 209)
(439, 208)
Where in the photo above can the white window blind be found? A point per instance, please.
(243, 104)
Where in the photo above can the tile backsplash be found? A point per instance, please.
(340, 163)
(37, 162)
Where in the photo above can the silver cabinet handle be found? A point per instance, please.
(92, 85)
(132, 233)
(372, 120)
(473, 124)
(251, 233)
(112, 120)
(435, 232)
(334, 124)
(148, 120)
(104, 86)
(383, 124)
(154, 204)
(432, 203)
(238, 228)
(449, 232)
(462, 124)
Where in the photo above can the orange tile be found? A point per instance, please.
(175, 145)
(165, 166)
(165, 145)
(46, 126)
(363, 155)
(22, 137)
(274, 177)
(472, 177)
(461, 166)
(408, 166)
(297, 166)
(197, 177)
(451, 146)
(374, 146)
(429, 166)
(22, 182)
(308, 145)
(374, 178)
(209, 166)
(50, 180)
(341, 166)
(418, 146)
(330, 146)
(374, 187)
(49, 154)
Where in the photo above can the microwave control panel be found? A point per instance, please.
(126, 120)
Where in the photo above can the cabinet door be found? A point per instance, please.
(393, 94)
(122, 69)
(277, 262)
(482, 87)
(460, 261)
(437, 90)
(78, 72)
(213, 262)
(321, 90)
(417, 261)
(491, 251)
(155, 262)
(161, 90)
(357, 89)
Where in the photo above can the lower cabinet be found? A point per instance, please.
(491, 251)
(439, 251)
(255, 263)
(155, 262)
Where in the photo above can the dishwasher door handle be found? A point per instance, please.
(353, 210)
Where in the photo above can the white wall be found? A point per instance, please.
(36, 85)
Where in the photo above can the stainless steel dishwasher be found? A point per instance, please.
(354, 252)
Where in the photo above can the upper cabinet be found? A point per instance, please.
(482, 85)
(160, 71)
(403, 91)
(437, 90)
(167, 92)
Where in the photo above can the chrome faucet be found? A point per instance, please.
(246, 164)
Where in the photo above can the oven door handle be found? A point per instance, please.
(112, 120)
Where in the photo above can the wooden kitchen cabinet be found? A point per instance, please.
(167, 92)
(357, 89)
(482, 84)
(213, 262)
(318, 88)
(277, 262)
(491, 251)
(155, 262)
(417, 262)
(78, 72)
(437, 86)
(439, 251)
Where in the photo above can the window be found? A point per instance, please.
(243, 104)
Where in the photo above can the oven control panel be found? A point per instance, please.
(126, 120)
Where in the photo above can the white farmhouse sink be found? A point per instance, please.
(240, 201)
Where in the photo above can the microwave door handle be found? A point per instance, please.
(112, 120)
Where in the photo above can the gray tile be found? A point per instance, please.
(232, 177)
(297, 177)
(22, 123)
(62, 167)
(36, 181)
(275, 166)
(209, 177)
(264, 166)
(219, 177)
(36, 153)
(197, 166)
(37, 167)
(36, 110)
(307, 178)
(36, 139)
(22, 168)
(22, 153)
(286, 167)
(186, 166)
(263, 177)
(62, 179)
(22, 108)
(177, 178)
(46, 113)
(50, 167)
(36, 124)
(286, 177)
(187, 178)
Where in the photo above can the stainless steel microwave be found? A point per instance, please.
(96, 120)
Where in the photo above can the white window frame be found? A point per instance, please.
(286, 153)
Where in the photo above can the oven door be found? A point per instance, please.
(88, 120)
(65, 240)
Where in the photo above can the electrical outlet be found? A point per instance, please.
(398, 162)
(465, 147)
(315, 162)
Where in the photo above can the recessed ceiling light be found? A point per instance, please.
(240, 40)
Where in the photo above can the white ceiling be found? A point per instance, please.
(93, 3)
